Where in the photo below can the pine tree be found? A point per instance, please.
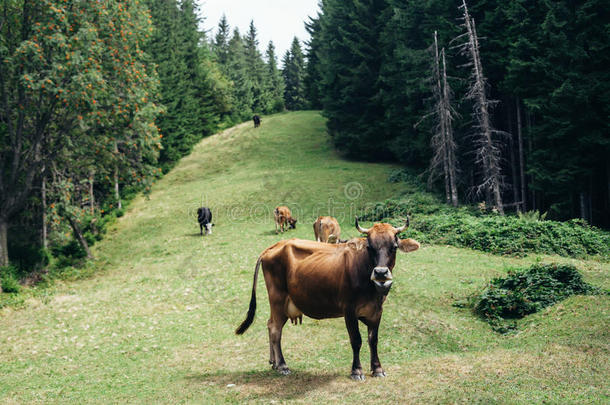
(351, 54)
(293, 73)
(237, 72)
(313, 77)
(274, 80)
(256, 73)
(220, 45)
(179, 49)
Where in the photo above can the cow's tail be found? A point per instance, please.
(252, 309)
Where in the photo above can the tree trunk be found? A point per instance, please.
(91, 195)
(79, 236)
(488, 153)
(583, 209)
(3, 241)
(451, 159)
(117, 194)
(45, 242)
(530, 147)
(521, 161)
(513, 159)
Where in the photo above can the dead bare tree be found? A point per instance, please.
(521, 161)
(488, 151)
(442, 141)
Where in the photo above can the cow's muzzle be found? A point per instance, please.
(382, 278)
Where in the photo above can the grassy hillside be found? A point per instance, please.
(155, 323)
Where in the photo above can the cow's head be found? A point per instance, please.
(382, 243)
(208, 228)
(292, 222)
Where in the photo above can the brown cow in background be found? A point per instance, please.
(327, 229)
(323, 280)
(283, 217)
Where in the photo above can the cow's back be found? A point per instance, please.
(312, 274)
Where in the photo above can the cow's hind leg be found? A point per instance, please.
(275, 324)
(351, 321)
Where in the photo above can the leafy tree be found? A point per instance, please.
(66, 72)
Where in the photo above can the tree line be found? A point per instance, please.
(541, 81)
(98, 99)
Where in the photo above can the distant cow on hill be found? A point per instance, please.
(327, 229)
(283, 216)
(323, 280)
(257, 121)
(204, 217)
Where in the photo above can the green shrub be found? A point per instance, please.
(434, 222)
(527, 291)
(8, 279)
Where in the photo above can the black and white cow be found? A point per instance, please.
(257, 121)
(204, 217)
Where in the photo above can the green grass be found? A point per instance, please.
(155, 322)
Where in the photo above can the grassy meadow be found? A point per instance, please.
(155, 322)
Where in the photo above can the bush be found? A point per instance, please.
(433, 222)
(527, 291)
(8, 279)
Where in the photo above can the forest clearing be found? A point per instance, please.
(155, 321)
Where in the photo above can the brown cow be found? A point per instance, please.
(327, 229)
(283, 216)
(322, 280)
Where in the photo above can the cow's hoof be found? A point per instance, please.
(379, 373)
(357, 377)
(283, 370)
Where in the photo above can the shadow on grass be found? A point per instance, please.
(272, 233)
(195, 234)
(267, 384)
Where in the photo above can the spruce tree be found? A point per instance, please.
(294, 74)
(275, 80)
(220, 46)
(313, 77)
(256, 73)
(237, 72)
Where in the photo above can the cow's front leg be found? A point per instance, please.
(351, 322)
(200, 229)
(376, 369)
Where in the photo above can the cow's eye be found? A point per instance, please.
(394, 246)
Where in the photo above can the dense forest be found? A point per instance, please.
(98, 99)
(504, 103)
(527, 122)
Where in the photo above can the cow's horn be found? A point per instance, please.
(361, 229)
(402, 228)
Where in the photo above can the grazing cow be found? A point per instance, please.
(283, 216)
(322, 280)
(257, 121)
(204, 217)
(327, 229)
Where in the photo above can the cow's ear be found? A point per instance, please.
(408, 245)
